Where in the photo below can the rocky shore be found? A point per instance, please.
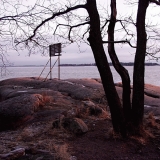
(41, 119)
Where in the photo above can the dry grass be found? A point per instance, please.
(149, 129)
(61, 152)
(46, 100)
(38, 136)
(140, 140)
(41, 101)
(151, 121)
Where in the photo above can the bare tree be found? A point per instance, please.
(16, 19)
(96, 43)
(121, 115)
(11, 22)
(133, 115)
(117, 65)
(139, 65)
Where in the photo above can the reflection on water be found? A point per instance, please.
(152, 75)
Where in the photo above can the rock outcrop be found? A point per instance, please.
(17, 110)
(32, 99)
(46, 116)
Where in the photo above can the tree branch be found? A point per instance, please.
(53, 16)
(156, 2)
(123, 41)
(71, 27)
(105, 24)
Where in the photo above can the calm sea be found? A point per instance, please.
(152, 75)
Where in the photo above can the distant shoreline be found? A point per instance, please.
(123, 63)
(88, 64)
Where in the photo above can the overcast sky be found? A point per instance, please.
(72, 55)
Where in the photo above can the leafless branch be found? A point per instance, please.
(53, 16)
(70, 29)
(122, 41)
(155, 1)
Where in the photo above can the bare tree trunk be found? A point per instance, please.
(95, 41)
(119, 68)
(139, 67)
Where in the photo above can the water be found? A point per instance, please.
(152, 75)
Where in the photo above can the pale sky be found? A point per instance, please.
(72, 55)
